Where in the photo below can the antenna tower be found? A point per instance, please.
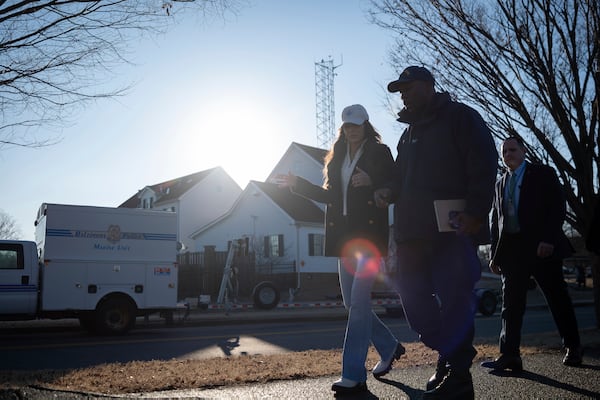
(324, 74)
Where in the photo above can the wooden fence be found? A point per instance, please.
(201, 273)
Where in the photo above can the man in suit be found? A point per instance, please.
(528, 241)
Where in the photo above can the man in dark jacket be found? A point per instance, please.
(446, 153)
(528, 240)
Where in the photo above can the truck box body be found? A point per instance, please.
(91, 256)
(84, 233)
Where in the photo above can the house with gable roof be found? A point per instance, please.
(280, 227)
(302, 160)
(198, 199)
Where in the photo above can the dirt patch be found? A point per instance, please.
(137, 376)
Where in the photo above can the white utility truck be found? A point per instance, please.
(104, 266)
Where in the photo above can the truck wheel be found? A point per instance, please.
(487, 303)
(115, 316)
(265, 296)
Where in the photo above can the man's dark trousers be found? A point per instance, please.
(435, 280)
(518, 265)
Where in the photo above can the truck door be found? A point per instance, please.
(18, 279)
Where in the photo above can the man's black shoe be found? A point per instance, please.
(441, 370)
(504, 362)
(574, 356)
(457, 385)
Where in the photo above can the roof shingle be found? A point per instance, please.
(169, 190)
(297, 207)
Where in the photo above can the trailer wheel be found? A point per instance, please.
(265, 296)
(115, 316)
(487, 303)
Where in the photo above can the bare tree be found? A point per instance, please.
(56, 55)
(8, 227)
(531, 66)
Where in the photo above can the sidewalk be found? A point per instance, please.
(544, 378)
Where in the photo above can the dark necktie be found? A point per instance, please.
(511, 218)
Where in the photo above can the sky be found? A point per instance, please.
(233, 92)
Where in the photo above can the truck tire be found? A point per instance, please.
(265, 296)
(487, 302)
(115, 316)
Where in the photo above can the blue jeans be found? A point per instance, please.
(364, 326)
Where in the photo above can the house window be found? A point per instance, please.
(151, 202)
(273, 246)
(316, 244)
(144, 203)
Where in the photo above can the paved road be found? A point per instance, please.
(36, 349)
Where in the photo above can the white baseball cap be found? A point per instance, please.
(355, 114)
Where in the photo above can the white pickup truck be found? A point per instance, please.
(104, 266)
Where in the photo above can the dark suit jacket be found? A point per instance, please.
(592, 240)
(541, 213)
(364, 219)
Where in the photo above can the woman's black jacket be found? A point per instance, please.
(364, 220)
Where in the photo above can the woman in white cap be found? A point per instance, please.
(357, 232)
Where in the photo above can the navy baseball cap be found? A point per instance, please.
(411, 74)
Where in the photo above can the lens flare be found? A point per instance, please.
(365, 256)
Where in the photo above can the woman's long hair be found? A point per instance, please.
(335, 156)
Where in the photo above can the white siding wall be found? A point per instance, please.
(212, 197)
(254, 216)
(313, 264)
(300, 164)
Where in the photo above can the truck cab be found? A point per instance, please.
(19, 279)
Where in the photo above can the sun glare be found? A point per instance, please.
(242, 136)
(366, 255)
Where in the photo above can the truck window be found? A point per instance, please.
(11, 256)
